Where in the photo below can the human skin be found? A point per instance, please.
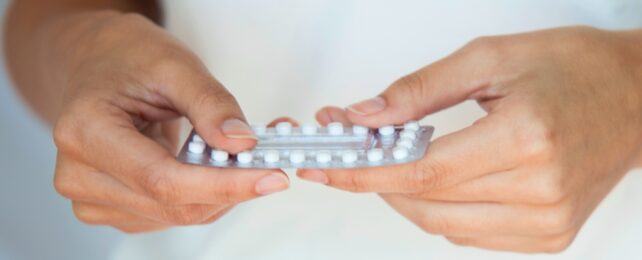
(563, 126)
(113, 83)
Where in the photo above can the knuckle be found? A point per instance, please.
(486, 47)
(185, 215)
(549, 190)
(66, 134)
(415, 87)
(356, 183)
(556, 220)
(85, 214)
(558, 244)
(537, 141)
(63, 185)
(427, 174)
(159, 187)
(436, 225)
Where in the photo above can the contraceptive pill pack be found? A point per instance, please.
(311, 146)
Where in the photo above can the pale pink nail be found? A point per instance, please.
(272, 183)
(315, 176)
(368, 106)
(237, 129)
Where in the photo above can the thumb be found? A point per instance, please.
(437, 86)
(212, 110)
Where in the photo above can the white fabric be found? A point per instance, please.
(290, 57)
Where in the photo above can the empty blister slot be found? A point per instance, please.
(311, 146)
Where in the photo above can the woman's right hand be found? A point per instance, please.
(126, 78)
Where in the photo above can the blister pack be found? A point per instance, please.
(310, 146)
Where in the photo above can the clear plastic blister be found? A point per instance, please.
(310, 146)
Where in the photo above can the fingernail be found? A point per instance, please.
(237, 129)
(315, 176)
(272, 183)
(368, 106)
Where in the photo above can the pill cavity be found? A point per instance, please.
(196, 147)
(244, 157)
(335, 128)
(359, 130)
(271, 156)
(387, 131)
(219, 155)
(375, 155)
(400, 153)
(297, 156)
(309, 129)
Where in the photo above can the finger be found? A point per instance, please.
(113, 146)
(434, 87)
(332, 114)
(535, 186)
(213, 111)
(451, 159)
(283, 119)
(539, 244)
(96, 214)
(483, 219)
(82, 184)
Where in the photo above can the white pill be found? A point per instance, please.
(386, 130)
(349, 156)
(297, 156)
(309, 129)
(375, 155)
(284, 128)
(405, 142)
(335, 128)
(324, 157)
(411, 125)
(259, 129)
(408, 134)
(244, 157)
(220, 155)
(196, 147)
(271, 156)
(359, 130)
(400, 153)
(197, 138)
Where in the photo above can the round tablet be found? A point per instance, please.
(259, 129)
(400, 153)
(375, 155)
(411, 125)
(196, 147)
(219, 155)
(405, 142)
(387, 130)
(284, 128)
(271, 156)
(349, 156)
(309, 129)
(197, 138)
(359, 130)
(324, 157)
(244, 157)
(335, 128)
(297, 156)
(408, 134)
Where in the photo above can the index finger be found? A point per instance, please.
(451, 159)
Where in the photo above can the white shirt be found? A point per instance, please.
(291, 57)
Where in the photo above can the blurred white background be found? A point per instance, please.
(36, 223)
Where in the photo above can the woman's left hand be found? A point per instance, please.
(564, 125)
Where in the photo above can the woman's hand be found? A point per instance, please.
(564, 125)
(126, 79)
